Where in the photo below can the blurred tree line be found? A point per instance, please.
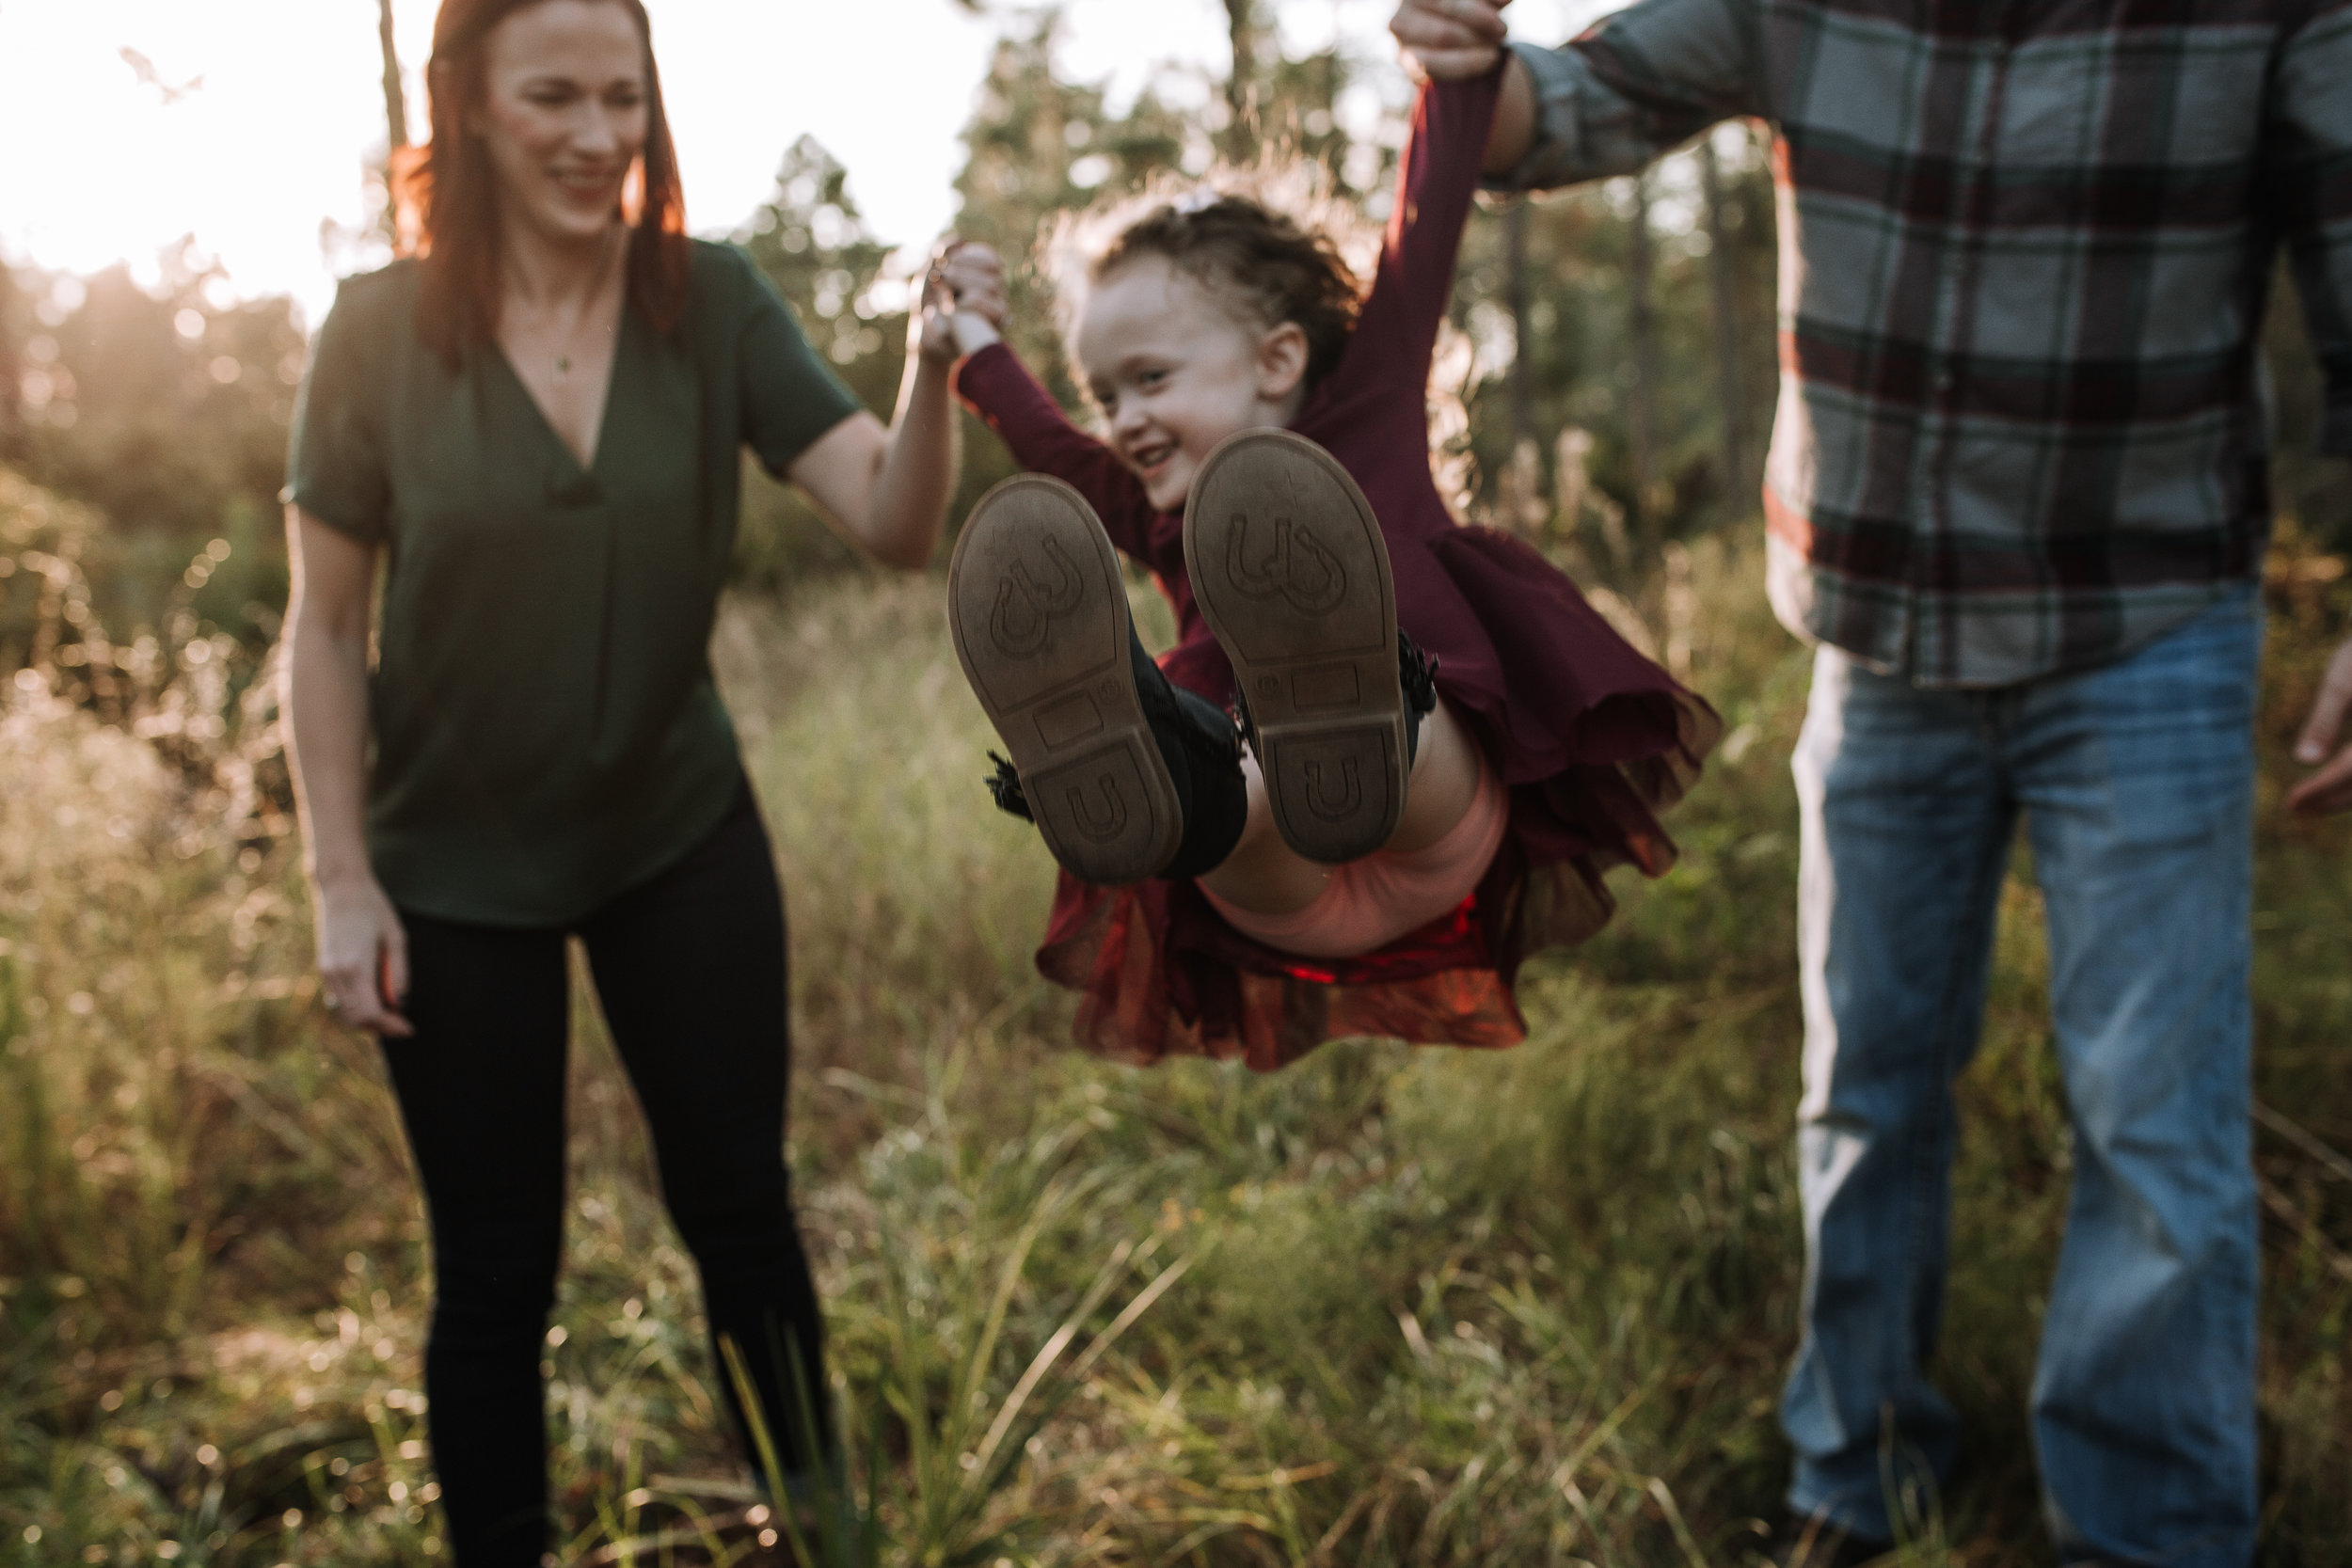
(1615, 348)
(164, 407)
(1037, 145)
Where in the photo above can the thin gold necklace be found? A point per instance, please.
(596, 292)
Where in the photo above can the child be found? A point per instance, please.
(1436, 745)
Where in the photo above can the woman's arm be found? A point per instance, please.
(886, 490)
(363, 953)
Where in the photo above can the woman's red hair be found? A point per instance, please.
(447, 193)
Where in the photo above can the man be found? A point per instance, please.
(2017, 497)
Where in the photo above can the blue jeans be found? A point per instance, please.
(2135, 781)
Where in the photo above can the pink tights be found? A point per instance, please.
(1370, 903)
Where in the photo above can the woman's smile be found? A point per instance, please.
(565, 114)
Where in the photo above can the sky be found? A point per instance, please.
(247, 124)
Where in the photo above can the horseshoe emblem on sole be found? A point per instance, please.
(1102, 832)
(1022, 621)
(1300, 571)
(1351, 790)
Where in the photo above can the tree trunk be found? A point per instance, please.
(395, 117)
(1523, 490)
(1641, 408)
(1522, 337)
(1719, 267)
(395, 100)
(1241, 87)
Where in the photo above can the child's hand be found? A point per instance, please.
(963, 300)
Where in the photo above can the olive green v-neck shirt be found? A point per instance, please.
(545, 732)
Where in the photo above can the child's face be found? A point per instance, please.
(1176, 370)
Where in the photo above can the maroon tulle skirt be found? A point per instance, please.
(1590, 738)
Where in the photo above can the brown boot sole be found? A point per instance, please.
(1291, 573)
(1039, 613)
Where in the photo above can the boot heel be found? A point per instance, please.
(1332, 791)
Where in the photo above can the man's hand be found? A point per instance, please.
(1449, 40)
(2330, 788)
(1454, 39)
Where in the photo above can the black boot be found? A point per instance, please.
(1201, 746)
(1199, 743)
(1417, 677)
(1292, 575)
(1125, 776)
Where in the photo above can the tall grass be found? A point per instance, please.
(1395, 1307)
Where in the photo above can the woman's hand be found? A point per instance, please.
(965, 304)
(363, 955)
(886, 490)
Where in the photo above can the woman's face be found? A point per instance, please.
(563, 113)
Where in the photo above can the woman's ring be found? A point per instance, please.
(334, 1003)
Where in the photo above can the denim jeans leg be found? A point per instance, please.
(1907, 822)
(2137, 782)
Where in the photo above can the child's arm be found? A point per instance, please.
(1436, 180)
(992, 382)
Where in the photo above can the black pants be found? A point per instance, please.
(690, 966)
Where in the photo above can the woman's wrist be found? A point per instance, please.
(340, 873)
(933, 354)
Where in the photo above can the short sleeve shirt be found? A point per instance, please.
(545, 730)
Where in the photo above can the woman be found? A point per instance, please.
(536, 419)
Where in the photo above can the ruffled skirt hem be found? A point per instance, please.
(1593, 741)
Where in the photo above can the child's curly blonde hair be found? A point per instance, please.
(1275, 242)
(1270, 241)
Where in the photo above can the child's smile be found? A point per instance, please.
(1175, 371)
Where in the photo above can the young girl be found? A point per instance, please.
(1388, 824)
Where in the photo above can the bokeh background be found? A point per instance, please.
(1385, 1307)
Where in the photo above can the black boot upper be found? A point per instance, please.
(1202, 749)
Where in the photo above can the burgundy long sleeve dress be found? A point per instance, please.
(1590, 738)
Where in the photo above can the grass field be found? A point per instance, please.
(1385, 1307)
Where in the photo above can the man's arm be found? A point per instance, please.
(1517, 117)
(1635, 85)
(2312, 179)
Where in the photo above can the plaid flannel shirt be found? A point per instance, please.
(2025, 250)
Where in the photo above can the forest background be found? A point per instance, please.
(1382, 1308)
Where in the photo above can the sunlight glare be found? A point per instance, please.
(135, 123)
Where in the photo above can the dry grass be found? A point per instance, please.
(1398, 1308)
